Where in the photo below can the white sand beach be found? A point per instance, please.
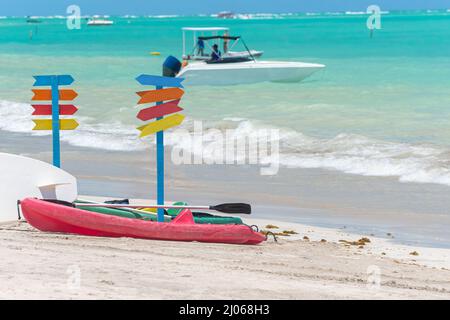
(313, 264)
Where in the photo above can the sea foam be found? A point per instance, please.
(348, 153)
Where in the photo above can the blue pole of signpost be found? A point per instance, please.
(160, 168)
(55, 123)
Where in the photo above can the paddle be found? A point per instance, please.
(115, 203)
(242, 208)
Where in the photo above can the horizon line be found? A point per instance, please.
(235, 13)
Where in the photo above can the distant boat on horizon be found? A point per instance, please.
(225, 15)
(31, 19)
(96, 21)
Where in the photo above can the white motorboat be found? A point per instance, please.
(225, 15)
(203, 73)
(235, 67)
(99, 22)
(33, 19)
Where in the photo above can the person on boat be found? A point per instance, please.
(225, 42)
(216, 54)
(201, 47)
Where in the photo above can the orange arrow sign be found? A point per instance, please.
(160, 95)
(46, 124)
(46, 94)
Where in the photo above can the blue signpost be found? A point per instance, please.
(55, 122)
(54, 94)
(159, 82)
(160, 166)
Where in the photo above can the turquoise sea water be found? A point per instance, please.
(381, 107)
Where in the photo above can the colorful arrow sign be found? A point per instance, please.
(172, 95)
(61, 80)
(54, 109)
(150, 80)
(46, 109)
(46, 94)
(160, 125)
(159, 110)
(46, 124)
(160, 95)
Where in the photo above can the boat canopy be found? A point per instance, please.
(201, 29)
(203, 32)
(220, 37)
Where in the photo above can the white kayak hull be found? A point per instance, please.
(202, 73)
(23, 177)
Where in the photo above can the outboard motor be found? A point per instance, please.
(171, 67)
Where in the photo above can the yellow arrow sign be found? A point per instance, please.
(160, 125)
(46, 124)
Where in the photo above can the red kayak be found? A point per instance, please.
(51, 217)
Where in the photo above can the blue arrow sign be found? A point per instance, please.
(62, 80)
(150, 80)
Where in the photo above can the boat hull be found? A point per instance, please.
(201, 73)
(51, 217)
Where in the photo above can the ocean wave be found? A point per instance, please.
(258, 16)
(56, 17)
(352, 13)
(355, 154)
(163, 16)
(355, 12)
(348, 153)
(98, 16)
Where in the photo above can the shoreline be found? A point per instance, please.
(415, 214)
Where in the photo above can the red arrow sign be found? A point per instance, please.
(46, 109)
(159, 110)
